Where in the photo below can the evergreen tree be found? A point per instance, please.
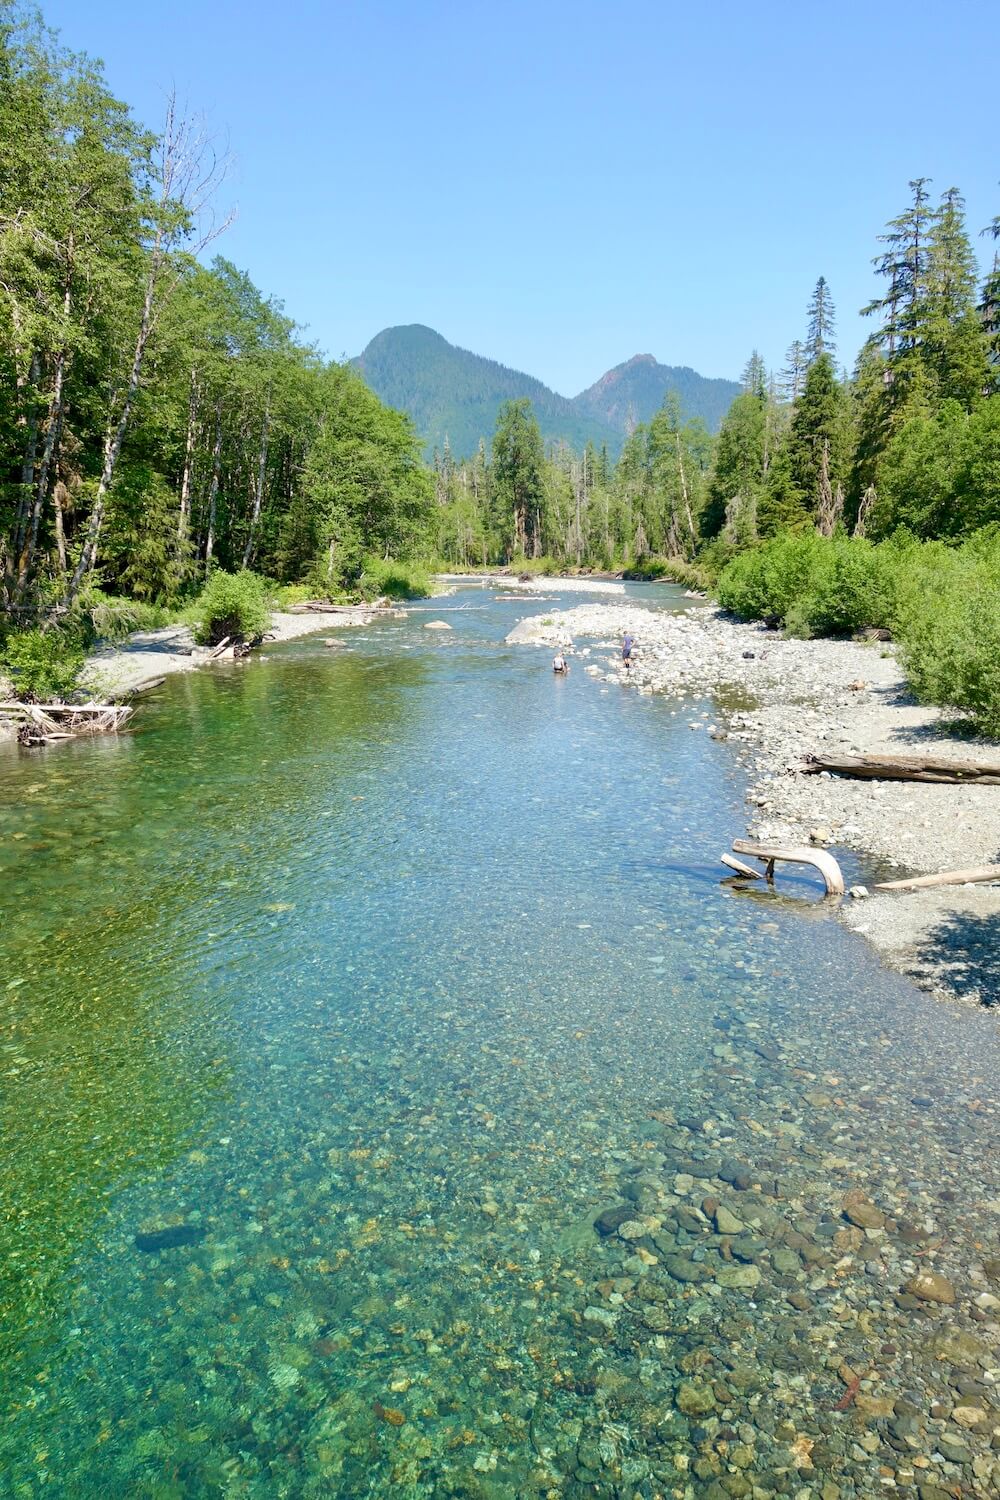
(516, 473)
(793, 376)
(820, 337)
(953, 345)
(815, 441)
(989, 311)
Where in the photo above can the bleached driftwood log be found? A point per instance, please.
(795, 854)
(943, 877)
(905, 768)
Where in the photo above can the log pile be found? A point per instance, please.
(42, 723)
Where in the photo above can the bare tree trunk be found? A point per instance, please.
(57, 502)
(687, 499)
(213, 491)
(259, 491)
(52, 431)
(29, 421)
(115, 436)
(189, 174)
(184, 518)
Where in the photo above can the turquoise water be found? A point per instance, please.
(355, 980)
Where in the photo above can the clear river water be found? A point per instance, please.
(338, 1000)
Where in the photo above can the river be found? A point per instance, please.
(338, 999)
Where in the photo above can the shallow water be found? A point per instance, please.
(374, 970)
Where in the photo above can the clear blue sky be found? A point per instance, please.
(561, 184)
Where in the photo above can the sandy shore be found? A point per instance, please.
(778, 700)
(157, 653)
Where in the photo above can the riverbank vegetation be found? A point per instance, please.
(161, 418)
(163, 421)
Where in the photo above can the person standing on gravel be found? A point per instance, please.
(627, 645)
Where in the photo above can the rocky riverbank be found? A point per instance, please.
(778, 700)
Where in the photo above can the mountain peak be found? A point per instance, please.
(451, 392)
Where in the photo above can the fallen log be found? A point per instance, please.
(905, 768)
(740, 867)
(59, 708)
(318, 607)
(943, 877)
(795, 854)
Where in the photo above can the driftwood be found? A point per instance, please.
(320, 607)
(906, 768)
(943, 877)
(42, 722)
(741, 869)
(795, 854)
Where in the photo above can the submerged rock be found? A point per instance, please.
(931, 1286)
(168, 1238)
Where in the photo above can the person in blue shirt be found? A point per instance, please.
(627, 645)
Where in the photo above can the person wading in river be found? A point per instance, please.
(560, 664)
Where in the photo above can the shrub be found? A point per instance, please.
(855, 586)
(292, 593)
(393, 580)
(42, 664)
(104, 617)
(763, 584)
(231, 604)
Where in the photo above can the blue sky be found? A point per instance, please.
(562, 185)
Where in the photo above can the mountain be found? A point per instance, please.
(450, 392)
(632, 392)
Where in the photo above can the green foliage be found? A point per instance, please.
(363, 485)
(764, 583)
(518, 486)
(950, 627)
(393, 580)
(101, 616)
(941, 475)
(675, 569)
(287, 594)
(231, 604)
(42, 664)
(942, 603)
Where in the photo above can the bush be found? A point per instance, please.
(854, 587)
(675, 569)
(231, 604)
(393, 580)
(292, 593)
(941, 602)
(42, 664)
(103, 617)
(764, 583)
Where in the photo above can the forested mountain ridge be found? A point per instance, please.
(634, 391)
(452, 393)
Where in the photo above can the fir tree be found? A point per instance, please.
(820, 338)
(793, 376)
(815, 440)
